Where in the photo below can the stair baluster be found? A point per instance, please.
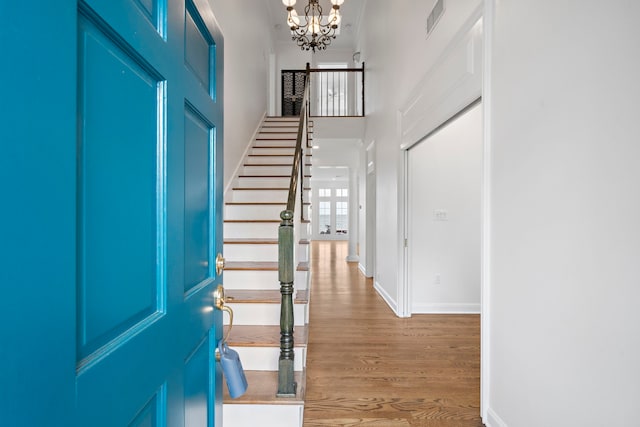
(286, 238)
(286, 384)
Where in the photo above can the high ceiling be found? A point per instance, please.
(351, 11)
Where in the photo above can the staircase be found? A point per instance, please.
(252, 217)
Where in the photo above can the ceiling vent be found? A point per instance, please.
(435, 15)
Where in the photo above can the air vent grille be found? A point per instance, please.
(434, 16)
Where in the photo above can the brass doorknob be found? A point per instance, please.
(219, 264)
(219, 303)
(218, 297)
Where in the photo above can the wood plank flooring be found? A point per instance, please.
(366, 367)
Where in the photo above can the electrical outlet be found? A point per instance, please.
(440, 215)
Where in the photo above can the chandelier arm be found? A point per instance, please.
(313, 34)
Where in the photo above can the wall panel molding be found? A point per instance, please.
(454, 82)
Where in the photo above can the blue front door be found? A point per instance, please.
(112, 154)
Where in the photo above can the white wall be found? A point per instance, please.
(444, 218)
(246, 63)
(338, 128)
(334, 55)
(397, 56)
(562, 108)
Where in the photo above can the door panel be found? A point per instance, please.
(198, 215)
(292, 91)
(197, 393)
(121, 194)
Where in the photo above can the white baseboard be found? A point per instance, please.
(386, 297)
(353, 258)
(493, 420)
(443, 308)
(362, 269)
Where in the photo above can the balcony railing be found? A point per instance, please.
(336, 92)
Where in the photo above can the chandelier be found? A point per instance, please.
(313, 31)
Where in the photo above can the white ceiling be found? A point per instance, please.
(351, 11)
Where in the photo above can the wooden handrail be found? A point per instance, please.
(287, 386)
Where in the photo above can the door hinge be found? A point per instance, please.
(406, 243)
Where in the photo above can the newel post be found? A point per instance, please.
(286, 383)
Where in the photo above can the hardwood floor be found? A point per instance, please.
(366, 367)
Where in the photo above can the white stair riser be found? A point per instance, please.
(266, 358)
(251, 279)
(264, 314)
(303, 253)
(285, 146)
(289, 129)
(267, 170)
(253, 211)
(263, 182)
(266, 142)
(304, 231)
(249, 229)
(270, 159)
(260, 195)
(236, 415)
(251, 252)
(273, 151)
(289, 122)
(301, 281)
(261, 279)
(275, 133)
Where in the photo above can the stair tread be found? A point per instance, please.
(251, 265)
(263, 336)
(259, 265)
(262, 296)
(262, 390)
(264, 188)
(264, 176)
(250, 240)
(271, 155)
(255, 203)
(269, 164)
(288, 146)
(275, 131)
(283, 124)
(235, 221)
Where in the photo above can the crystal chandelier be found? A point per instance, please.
(313, 31)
